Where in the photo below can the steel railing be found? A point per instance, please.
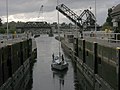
(14, 36)
(113, 37)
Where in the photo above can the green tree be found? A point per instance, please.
(55, 24)
(12, 26)
(109, 18)
(0, 22)
(108, 24)
(70, 25)
(2, 30)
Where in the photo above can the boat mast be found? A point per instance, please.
(58, 27)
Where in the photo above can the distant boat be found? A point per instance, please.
(36, 35)
(51, 33)
(59, 63)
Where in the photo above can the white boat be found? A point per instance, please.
(59, 63)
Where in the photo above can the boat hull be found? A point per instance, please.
(59, 67)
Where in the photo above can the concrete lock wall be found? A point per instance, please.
(1, 79)
(107, 65)
(100, 59)
(12, 57)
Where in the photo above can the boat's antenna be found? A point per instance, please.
(58, 27)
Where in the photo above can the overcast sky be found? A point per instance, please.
(28, 10)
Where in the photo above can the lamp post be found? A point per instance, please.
(95, 18)
(7, 16)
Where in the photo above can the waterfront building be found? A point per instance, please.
(116, 18)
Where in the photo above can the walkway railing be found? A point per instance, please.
(14, 36)
(112, 37)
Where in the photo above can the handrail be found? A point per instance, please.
(113, 37)
(14, 36)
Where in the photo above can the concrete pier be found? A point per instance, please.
(16, 58)
(97, 63)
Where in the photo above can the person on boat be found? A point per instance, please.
(53, 57)
(62, 58)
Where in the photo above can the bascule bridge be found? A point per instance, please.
(85, 21)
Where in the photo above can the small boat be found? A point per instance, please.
(36, 35)
(59, 63)
(51, 33)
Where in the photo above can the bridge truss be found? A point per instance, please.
(85, 20)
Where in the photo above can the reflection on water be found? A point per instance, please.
(43, 77)
(76, 82)
(60, 75)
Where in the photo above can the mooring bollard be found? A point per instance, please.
(95, 58)
(84, 51)
(9, 59)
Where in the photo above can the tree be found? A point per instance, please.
(70, 25)
(108, 24)
(2, 30)
(109, 18)
(55, 24)
(0, 22)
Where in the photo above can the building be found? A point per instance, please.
(116, 18)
